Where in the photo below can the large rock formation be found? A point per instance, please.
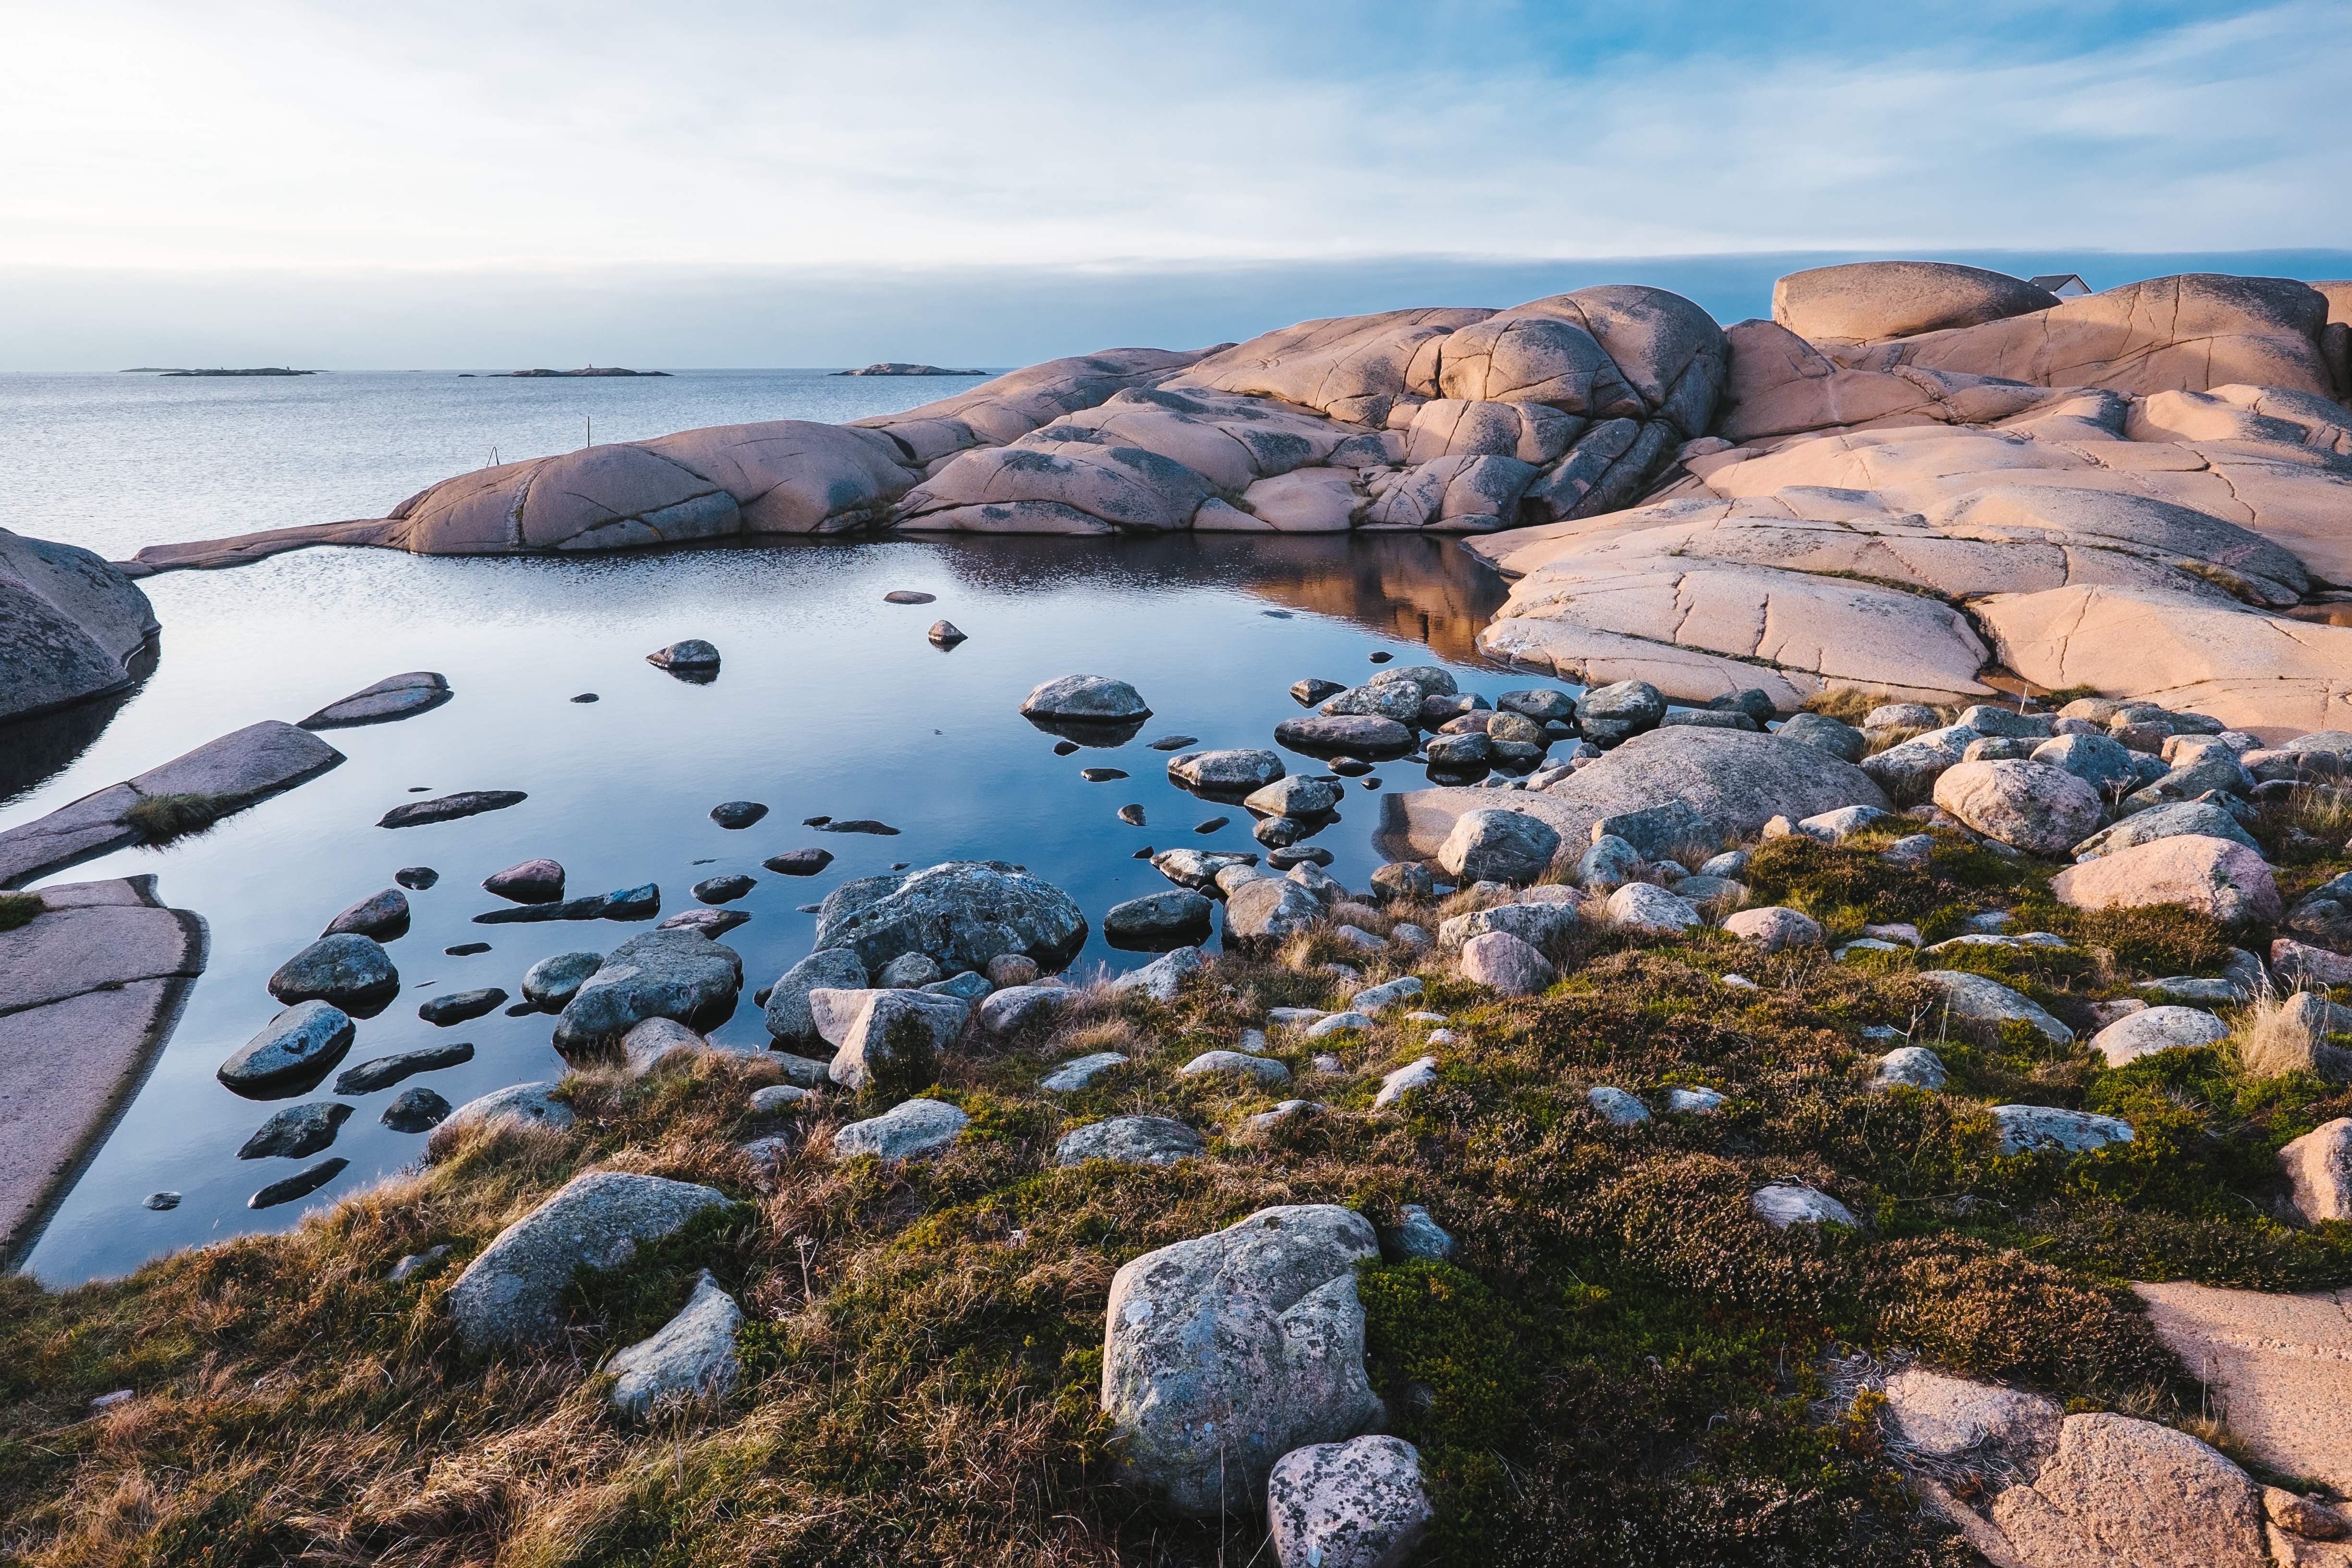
(71, 626)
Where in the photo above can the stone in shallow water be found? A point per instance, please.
(415, 1110)
(297, 1131)
(293, 1049)
(416, 879)
(799, 862)
(552, 981)
(530, 882)
(384, 916)
(722, 889)
(302, 1184)
(736, 813)
(1171, 743)
(460, 1005)
(384, 1071)
(466, 949)
(907, 596)
(677, 975)
(351, 971)
(160, 1201)
(450, 807)
(395, 697)
(1093, 697)
(692, 654)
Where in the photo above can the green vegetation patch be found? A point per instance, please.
(18, 910)
(163, 819)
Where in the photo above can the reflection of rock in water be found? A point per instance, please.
(33, 750)
(1407, 585)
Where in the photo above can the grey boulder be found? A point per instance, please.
(297, 1047)
(692, 1358)
(1978, 999)
(415, 1110)
(346, 969)
(1608, 714)
(2031, 806)
(1164, 978)
(393, 696)
(787, 1014)
(1535, 924)
(525, 1104)
(2029, 1129)
(907, 1130)
(1225, 773)
(1130, 1139)
(1087, 698)
(2200, 819)
(552, 981)
(871, 1031)
(961, 914)
(382, 916)
(2151, 1029)
(1156, 917)
(1498, 847)
(1268, 913)
(1018, 1007)
(1225, 1353)
(297, 1131)
(71, 626)
(679, 974)
(515, 1289)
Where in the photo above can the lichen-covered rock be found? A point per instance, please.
(1774, 927)
(1648, 907)
(961, 914)
(691, 1358)
(787, 1014)
(882, 1033)
(2200, 819)
(2216, 876)
(2030, 1128)
(2122, 1491)
(1951, 1418)
(1915, 1067)
(1222, 1354)
(907, 1130)
(1269, 911)
(528, 1104)
(680, 973)
(1358, 1504)
(1979, 999)
(2031, 806)
(515, 1288)
(1535, 924)
(1226, 773)
(1498, 846)
(1130, 1139)
(552, 981)
(1506, 963)
(1782, 1205)
(1093, 698)
(2151, 1029)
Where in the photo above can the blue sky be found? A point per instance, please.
(714, 184)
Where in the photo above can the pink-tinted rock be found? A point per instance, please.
(1774, 928)
(2318, 1167)
(1358, 1504)
(1863, 301)
(2214, 877)
(2297, 960)
(2027, 805)
(1500, 960)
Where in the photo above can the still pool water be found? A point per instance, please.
(829, 702)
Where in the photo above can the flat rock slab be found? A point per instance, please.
(2281, 1367)
(393, 696)
(245, 765)
(450, 807)
(70, 1061)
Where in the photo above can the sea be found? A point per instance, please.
(829, 702)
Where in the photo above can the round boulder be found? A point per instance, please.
(1506, 963)
(297, 1047)
(1091, 698)
(2033, 807)
(2152, 1029)
(961, 914)
(351, 971)
(1130, 1139)
(1774, 927)
(1498, 846)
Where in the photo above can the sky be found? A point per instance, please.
(716, 183)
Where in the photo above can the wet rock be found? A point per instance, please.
(690, 1360)
(294, 1049)
(351, 971)
(2216, 876)
(691, 657)
(393, 696)
(415, 1110)
(961, 914)
(530, 1104)
(1290, 857)
(678, 974)
(460, 1005)
(1227, 1352)
(640, 903)
(160, 1202)
(530, 882)
(1089, 698)
(1213, 824)
(1132, 814)
(738, 812)
(1311, 692)
(1225, 773)
(1975, 999)
(799, 862)
(552, 981)
(416, 879)
(450, 807)
(906, 1132)
(2027, 1129)
(1358, 1504)
(1101, 775)
(1781, 1205)
(2152, 1029)
(861, 825)
(1352, 735)
(712, 923)
(514, 1289)
(723, 889)
(382, 916)
(384, 1071)
(1608, 714)
(1130, 1139)
(302, 1184)
(466, 949)
(1507, 964)
(1164, 978)
(297, 1131)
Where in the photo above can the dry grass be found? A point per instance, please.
(163, 819)
(2271, 1041)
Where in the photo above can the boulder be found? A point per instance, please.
(1535, 924)
(2281, 1365)
(1225, 773)
(1616, 1106)
(1611, 863)
(2318, 1167)
(1266, 1070)
(1774, 927)
(352, 972)
(1088, 699)
(71, 626)
(393, 696)
(961, 914)
(787, 1014)
(1344, 735)
(1913, 1066)
(1863, 301)
(297, 1047)
(644, 1046)
(1620, 710)
(1130, 1139)
(1404, 1080)
(1268, 913)
(415, 1110)
(1781, 1205)
(1225, 1353)
(1843, 741)
(1296, 797)
(1952, 1419)
(382, 916)
(2215, 877)
(1400, 700)
(2121, 1490)
(296, 1131)
(1018, 1007)
(1407, 881)
(515, 1288)
(552, 981)
(2200, 819)
(679, 974)
(1506, 963)
(1498, 846)
(528, 1104)
(2030, 1128)
(1733, 781)
(907, 1131)
(2031, 806)
(692, 1358)
(1976, 999)
(1417, 1235)
(458, 1006)
(451, 808)
(1645, 907)
(1157, 918)
(903, 1032)
(1161, 979)
(1078, 1073)
(2103, 763)
(1198, 868)
(2152, 1029)
(1660, 832)
(1358, 1504)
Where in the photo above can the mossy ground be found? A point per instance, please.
(1620, 1365)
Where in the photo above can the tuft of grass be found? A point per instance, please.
(163, 819)
(19, 909)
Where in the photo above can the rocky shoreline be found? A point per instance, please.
(1857, 1078)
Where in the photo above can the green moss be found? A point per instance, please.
(631, 1302)
(18, 910)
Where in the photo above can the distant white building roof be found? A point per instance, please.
(2065, 285)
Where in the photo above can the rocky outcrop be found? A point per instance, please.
(71, 626)
(1864, 301)
(680, 975)
(960, 915)
(2120, 1491)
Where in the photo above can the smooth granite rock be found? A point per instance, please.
(906, 1132)
(679, 974)
(691, 1358)
(297, 1047)
(1130, 1139)
(393, 696)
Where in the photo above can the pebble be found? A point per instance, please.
(466, 949)
(907, 596)
(417, 1109)
(416, 879)
(736, 813)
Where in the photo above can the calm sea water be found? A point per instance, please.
(829, 702)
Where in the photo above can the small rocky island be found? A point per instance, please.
(260, 369)
(895, 367)
(586, 370)
(1848, 1070)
